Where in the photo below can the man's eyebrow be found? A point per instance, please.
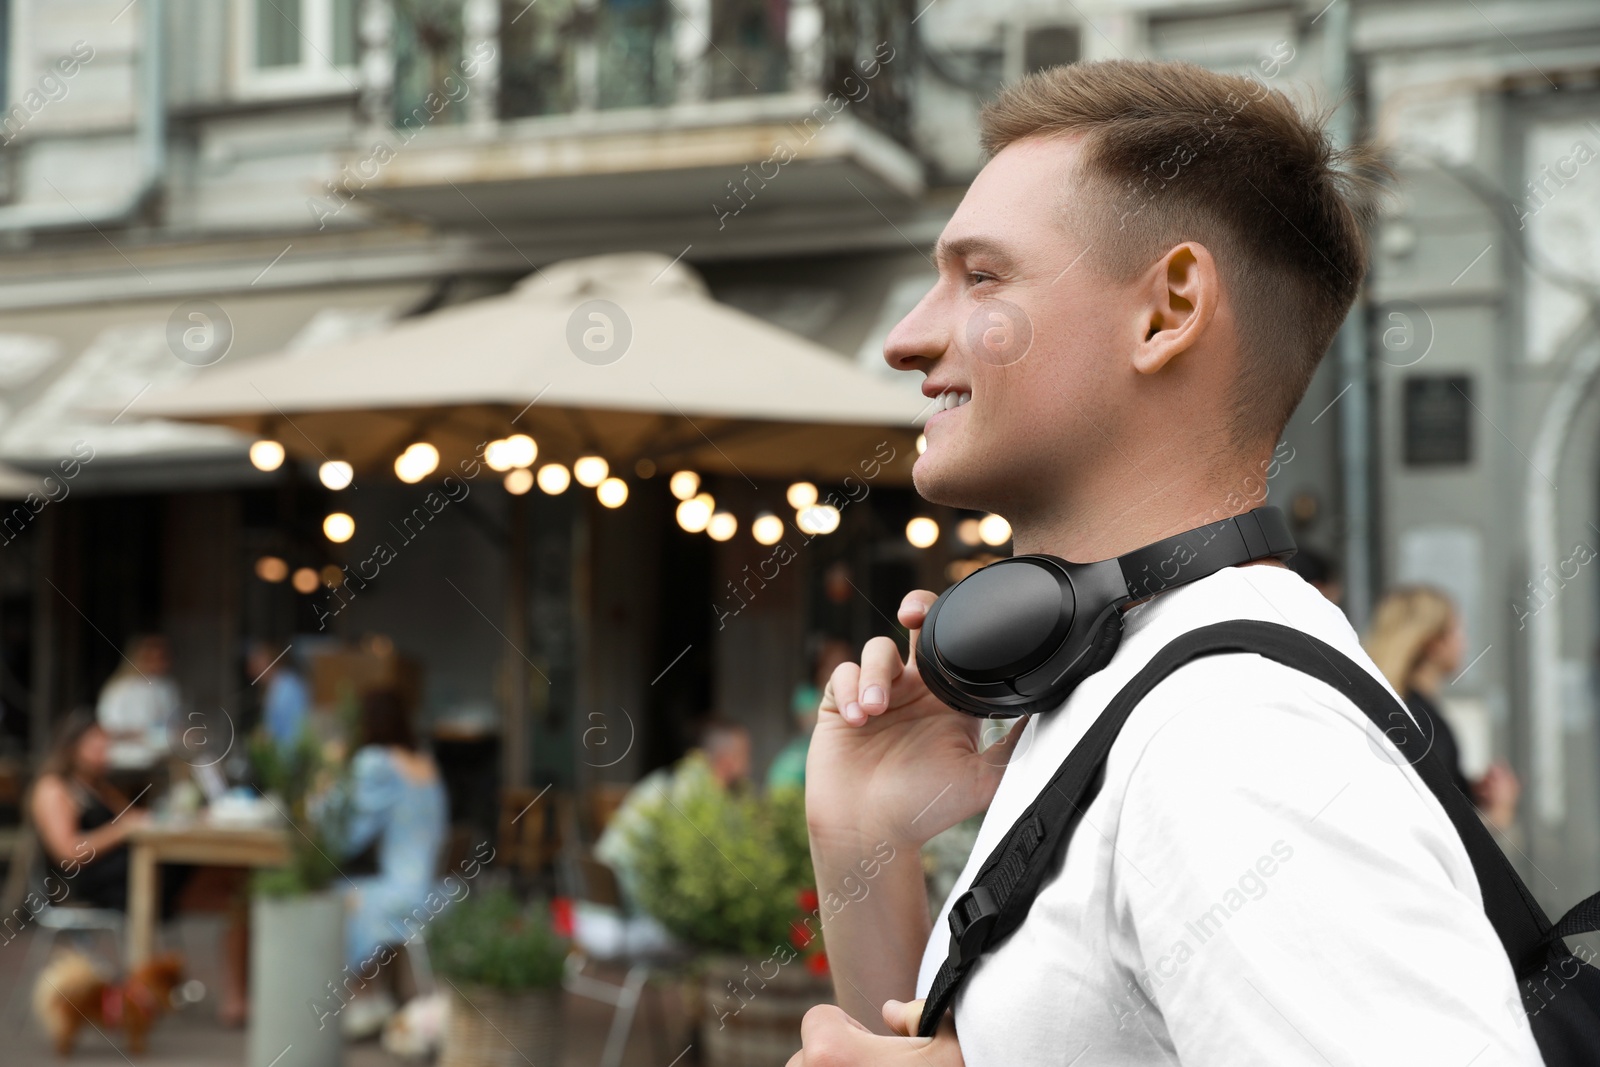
(967, 247)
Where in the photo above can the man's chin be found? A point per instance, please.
(951, 485)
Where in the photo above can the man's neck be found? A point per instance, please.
(1091, 526)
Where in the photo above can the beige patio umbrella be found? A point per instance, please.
(624, 356)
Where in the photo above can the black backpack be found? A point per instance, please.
(1560, 991)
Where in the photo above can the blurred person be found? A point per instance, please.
(83, 822)
(285, 697)
(1131, 299)
(723, 752)
(789, 765)
(393, 796)
(1321, 572)
(82, 819)
(1417, 640)
(139, 704)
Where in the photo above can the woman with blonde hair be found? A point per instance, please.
(1417, 641)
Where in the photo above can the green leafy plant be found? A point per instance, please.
(490, 939)
(722, 869)
(296, 775)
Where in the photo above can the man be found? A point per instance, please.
(285, 698)
(1132, 298)
(723, 753)
(139, 704)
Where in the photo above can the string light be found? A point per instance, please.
(922, 443)
(613, 492)
(967, 532)
(695, 513)
(722, 526)
(521, 450)
(271, 569)
(416, 462)
(684, 484)
(767, 528)
(590, 471)
(818, 519)
(266, 455)
(994, 530)
(305, 580)
(336, 474)
(338, 527)
(554, 478)
(802, 495)
(497, 455)
(922, 531)
(518, 481)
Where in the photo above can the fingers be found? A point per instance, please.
(903, 1018)
(913, 609)
(880, 666)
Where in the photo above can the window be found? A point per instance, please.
(289, 47)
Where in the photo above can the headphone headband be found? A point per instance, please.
(1020, 634)
(1195, 554)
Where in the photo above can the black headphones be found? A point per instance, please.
(1019, 635)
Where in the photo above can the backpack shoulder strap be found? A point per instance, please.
(1005, 886)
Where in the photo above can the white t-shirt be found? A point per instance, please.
(1261, 879)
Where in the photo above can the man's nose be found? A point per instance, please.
(918, 339)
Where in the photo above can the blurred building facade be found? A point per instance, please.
(297, 170)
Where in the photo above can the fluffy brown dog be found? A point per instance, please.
(72, 993)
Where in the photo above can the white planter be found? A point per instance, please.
(296, 949)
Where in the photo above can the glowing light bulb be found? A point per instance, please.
(336, 474)
(518, 481)
(590, 470)
(818, 519)
(922, 531)
(613, 492)
(684, 484)
(416, 463)
(266, 455)
(802, 495)
(497, 455)
(521, 450)
(722, 526)
(994, 530)
(922, 443)
(271, 569)
(338, 527)
(767, 528)
(694, 513)
(554, 478)
(305, 580)
(967, 532)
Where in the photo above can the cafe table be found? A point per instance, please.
(191, 841)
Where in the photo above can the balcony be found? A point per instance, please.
(577, 111)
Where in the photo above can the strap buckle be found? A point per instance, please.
(971, 918)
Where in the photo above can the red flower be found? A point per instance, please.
(561, 916)
(799, 936)
(808, 900)
(818, 964)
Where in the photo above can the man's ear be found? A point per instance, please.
(1184, 293)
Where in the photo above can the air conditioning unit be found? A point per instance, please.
(1035, 45)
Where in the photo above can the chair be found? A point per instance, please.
(50, 921)
(595, 883)
(528, 838)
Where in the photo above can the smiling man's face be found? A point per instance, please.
(1024, 345)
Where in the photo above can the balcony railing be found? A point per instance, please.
(518, 59)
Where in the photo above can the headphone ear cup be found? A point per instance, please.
(1102, 646)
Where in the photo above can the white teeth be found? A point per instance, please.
(951, 398)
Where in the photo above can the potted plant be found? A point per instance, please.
(501, 963)
(297, 916)
(730, 873)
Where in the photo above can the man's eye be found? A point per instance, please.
(977, 276)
